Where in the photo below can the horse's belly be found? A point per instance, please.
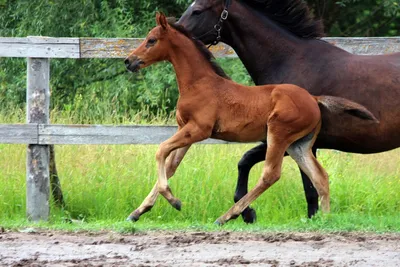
(353, 135)
(354, 144)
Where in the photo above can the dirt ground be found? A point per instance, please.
(50, 248)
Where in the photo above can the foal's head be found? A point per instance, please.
(161, 40)
(154, 48)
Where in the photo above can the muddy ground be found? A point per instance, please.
(49, 248)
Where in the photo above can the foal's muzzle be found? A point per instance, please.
(133, 64)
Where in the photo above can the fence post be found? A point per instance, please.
(37, 165)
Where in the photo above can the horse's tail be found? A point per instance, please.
(341, 105)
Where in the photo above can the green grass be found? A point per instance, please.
(103, 184)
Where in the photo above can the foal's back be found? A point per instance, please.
(244, 112)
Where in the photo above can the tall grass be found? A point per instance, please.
(105, 183)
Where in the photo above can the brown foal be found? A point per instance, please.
(212, 106)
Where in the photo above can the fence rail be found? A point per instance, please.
(49, 47)
(38, 134)
(61, 134)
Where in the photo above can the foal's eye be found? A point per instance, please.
(197, 12)
(151, 41)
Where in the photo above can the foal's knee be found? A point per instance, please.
(269, 181)
(270, 176)
(162, 189)
(161, 153)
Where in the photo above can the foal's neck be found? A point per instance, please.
(189, 63)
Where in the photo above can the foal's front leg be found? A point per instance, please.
(176, 146)
(173, 162)
(189, 134)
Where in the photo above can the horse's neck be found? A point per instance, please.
(189, 64)
(263, 47)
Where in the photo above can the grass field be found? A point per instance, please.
(103, 184)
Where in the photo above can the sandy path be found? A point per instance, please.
(198, 249)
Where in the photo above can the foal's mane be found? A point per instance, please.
(294, 15)
(203, 49)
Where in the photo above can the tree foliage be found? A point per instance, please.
(100, 86)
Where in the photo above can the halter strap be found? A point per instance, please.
(218, 27)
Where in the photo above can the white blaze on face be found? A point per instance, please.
(193, 3)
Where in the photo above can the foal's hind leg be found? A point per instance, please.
(310, 191)
(187, 135)
(172, 164)
(301, 152)
(271, 173)
(249, 159)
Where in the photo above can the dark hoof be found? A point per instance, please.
(312, 210)
(249, 215)
(218, 222)
(177, 204)
(133, 217)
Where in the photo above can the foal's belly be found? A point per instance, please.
(241, 133)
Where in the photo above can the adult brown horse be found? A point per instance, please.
(212, 106)
(277, 41)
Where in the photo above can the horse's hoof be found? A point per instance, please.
(133, 217)
(249, 215)
(219, 222)
(312, 211)
(177, 204)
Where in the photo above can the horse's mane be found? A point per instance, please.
(203, 49)
(294, 15)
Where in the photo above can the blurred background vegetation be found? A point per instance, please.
(87, 91)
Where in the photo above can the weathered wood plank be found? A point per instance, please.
(47, 47)
(37, 163)
(19, 134)
(101, 134)
(367, 45)
(108, 48)
(120, 48)
(40, 47)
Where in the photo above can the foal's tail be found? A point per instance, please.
(341, 105)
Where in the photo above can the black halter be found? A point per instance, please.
(218, 27)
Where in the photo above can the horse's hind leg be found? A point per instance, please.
(172, 164)
(301, 152)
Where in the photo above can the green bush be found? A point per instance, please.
(94, 88)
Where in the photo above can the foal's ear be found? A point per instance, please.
(161, 20)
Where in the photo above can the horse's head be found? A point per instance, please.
(203, 19)
(153, 49)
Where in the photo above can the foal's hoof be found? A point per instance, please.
(134, 217)
(249, 215)
(177, 204)
(219, 222)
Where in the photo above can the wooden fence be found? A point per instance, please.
(38, 134)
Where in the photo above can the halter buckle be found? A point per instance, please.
(224, 14)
